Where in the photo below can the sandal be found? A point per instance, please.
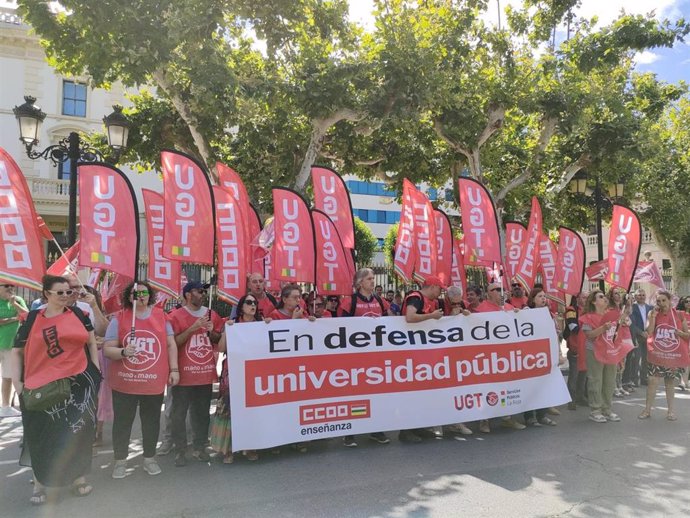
(81, 489)
(671, 417)
(644, 415)
(38, 498)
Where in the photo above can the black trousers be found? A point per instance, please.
(631, 373)
(577, 381)
(196, 399)
(124, 410)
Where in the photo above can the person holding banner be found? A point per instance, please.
(247, 311)
(667, 352)
(12, 307)
(473, 298)
(290, 305)
(197, 329)
(537, 299)
(601, 378)
(267, 302)
(576, 355)
(55, 343)
(494, 302)
(140, 344)
(364, 302)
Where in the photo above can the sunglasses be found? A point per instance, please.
(8, 286)
(60, 293)
(495, 289)
(515, 285)
(142, 293)
(250, 302)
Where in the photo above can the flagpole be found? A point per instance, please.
(134, 313)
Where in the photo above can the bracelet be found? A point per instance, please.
(174, 370)
(122, 353)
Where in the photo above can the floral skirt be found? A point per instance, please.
(657, 371)
(220, 428)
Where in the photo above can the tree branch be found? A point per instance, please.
(496, 117)
(438, 128)
(583, 161)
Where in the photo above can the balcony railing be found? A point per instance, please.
(49, 189)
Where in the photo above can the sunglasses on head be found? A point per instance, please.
(251, 302)
(60, 293)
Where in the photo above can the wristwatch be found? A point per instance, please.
(122, 353)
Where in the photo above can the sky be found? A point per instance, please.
(670, 65)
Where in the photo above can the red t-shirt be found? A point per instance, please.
(195, 358)
(146, 372)
(364, 307)
(55, 348)
(485, 306)
(279, 315)
(265, 306)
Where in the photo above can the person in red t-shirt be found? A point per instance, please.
(494, 302)
(517, 296)
(197, 329)
(50, 345)
(267, 302)
(317, 306)
(140, 367)
(290, 305)
(473, 298)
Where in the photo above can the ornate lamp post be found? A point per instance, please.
(578, 185)
(30, 117)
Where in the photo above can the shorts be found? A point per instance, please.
(5, 359)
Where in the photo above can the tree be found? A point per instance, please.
(366, 243)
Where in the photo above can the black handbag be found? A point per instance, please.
(46, 396)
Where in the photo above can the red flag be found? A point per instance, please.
(548, 255)
(570, 265)
(254, 250)
(457, 269)
(529, 260)
(109, 217)
(230, 181)
(231, 235)
(22, 260)
(294, 237)
(45, 231)
(66, 264)
(479, 224)
(444, 247)
(333, 276)
(405, 247)
(597, 271)
(648, 271)
(625, 240)
(615, 343)
(332, 197)
(189, 220)
(163, 274)
(112, 301)
(425, 236)
(515, 237)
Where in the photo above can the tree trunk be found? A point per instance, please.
(202, 145)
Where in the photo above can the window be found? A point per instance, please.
(73, 99)
(369, 188)
(449, 195)
(63, 170)
(377, 216)
(432, 193)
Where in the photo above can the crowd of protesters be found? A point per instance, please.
(66, 335)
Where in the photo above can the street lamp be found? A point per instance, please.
(72, 149)
(578, 185)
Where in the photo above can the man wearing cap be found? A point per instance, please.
(494, 302)
(11, 308)
(420, 306)
(196, 329)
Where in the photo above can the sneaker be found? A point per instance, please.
(151, 466)
(553, 411)
(165, 448)
(8, 411)
(572, 405)
(624, 392)
(201, 455)
(484, 426)
(180, 459)
(617, 393)
(532, 421)
(460, 428)
(408, 436)
(597, 417)
(120, 469)
(349, 441)
(512, 423)
(612, 417)
(379, 437)
(547, 421)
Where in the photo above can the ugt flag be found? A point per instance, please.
(625, 240)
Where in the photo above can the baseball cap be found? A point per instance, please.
(432, 280)
(194, 285)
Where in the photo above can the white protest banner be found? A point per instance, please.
(295, 380)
